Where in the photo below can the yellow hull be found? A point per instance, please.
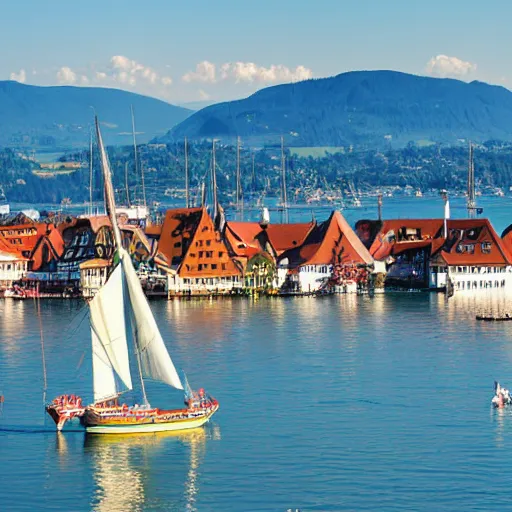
(173, 425)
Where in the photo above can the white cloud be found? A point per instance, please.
(205, 72)
(166, 80)
(129, 72)
(443, 66)
(251, 72)
(19, 77)
(66, 76)
(247, 72)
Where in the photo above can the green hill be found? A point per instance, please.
(46, 117)
(364, 108)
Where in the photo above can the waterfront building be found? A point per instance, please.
(401, 249)
(93, 275)
(257, 247)
(467, 254)
(13, 266)
(471, 257)
(196, 254)
(331, 255)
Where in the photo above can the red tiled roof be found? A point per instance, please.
(400, 247)
(383, 244)
(288, 236)
(332, 241)
(477, 234)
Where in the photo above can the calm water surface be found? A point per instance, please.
(335, 403)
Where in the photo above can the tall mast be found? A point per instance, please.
(90, 173)
(109, 189)
(135, 155)
(237, 174)
(283, 180)
(187, 201)
(471, 202)
(111, 210)
(214, 182)
(126, 185)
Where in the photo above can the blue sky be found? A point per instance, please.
(203, 50)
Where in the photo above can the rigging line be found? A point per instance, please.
(45, 381)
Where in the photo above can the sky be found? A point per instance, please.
(199, 50)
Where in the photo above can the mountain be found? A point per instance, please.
(33, 116)
(362, 108)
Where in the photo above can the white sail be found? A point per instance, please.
(155, 361)
(109, 346)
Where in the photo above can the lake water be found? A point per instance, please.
(327, 404)
(335, 403)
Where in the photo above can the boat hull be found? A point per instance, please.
(138, 428)
(130, 420)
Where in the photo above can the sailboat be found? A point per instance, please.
(120, 311)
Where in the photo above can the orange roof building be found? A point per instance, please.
(22, 238)
(328, 246)
(417, 253)
(472, 257)
(195, 250)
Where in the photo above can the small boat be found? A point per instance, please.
(119, 311)
(492, 317)
(501, 396)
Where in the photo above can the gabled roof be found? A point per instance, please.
(178, 230)
(331, 242)
(248, 238)
(192, 246)
(472, 242)
(54, 244)
(287, 236)
(242, 238)
(388, 235)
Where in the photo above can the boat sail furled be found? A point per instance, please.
(120, 311)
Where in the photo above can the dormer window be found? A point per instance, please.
(486, 247)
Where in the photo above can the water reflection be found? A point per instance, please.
(123, 469)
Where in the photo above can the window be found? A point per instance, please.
(200, 266)
(486, 247)
(223, 266)
(192, 254)
(201, 254)
(209, 254)
(214, 266)
(221, 254)
(208, 243)
(177, 244)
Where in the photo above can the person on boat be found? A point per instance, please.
(502, 396)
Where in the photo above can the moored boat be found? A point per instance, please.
(119, 311)
(501, 396)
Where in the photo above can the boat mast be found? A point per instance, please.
(187, 201)
(135, 154)
(126, 184)
(471, 203)
(111, 210)
(214, 181)
(90, 173)
(283, 181)
(237, 174)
